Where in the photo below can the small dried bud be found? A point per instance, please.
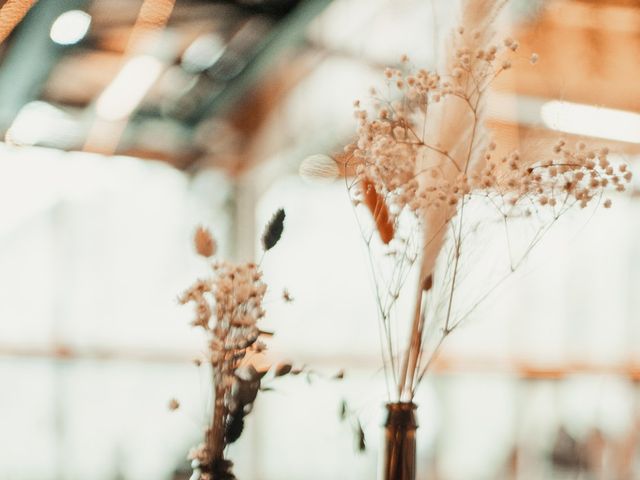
(174, 404)
(204, 242)
(286, 296)
(283, 369)
(427, 283)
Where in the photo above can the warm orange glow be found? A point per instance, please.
(153, 16)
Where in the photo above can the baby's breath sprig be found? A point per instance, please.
(422, 159)
(228, 307)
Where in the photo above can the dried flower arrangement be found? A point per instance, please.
(425, 169)
(228, 307)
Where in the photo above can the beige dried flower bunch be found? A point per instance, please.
(228, 308)
(421, 163)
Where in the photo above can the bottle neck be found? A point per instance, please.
(401, 415)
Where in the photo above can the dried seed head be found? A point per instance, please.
(204, 242)
(273, 230)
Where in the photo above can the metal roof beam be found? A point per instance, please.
(30, 58)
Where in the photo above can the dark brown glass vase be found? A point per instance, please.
(399, 462)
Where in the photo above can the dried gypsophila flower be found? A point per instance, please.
(228, 306)
(200, 454)
(389, 151)
(402, 166)
(286, 296)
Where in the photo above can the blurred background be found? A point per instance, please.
(127, 122)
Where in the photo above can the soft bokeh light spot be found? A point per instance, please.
(203, 53)
(128, 89)
(591, 121)
(70, 27)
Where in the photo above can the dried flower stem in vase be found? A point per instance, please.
(424, 169)
(228, 308)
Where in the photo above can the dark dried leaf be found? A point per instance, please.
(220, 470)
(235, 426)
(362, 444)
(273, 230)
(298, 370)
(282, 369)
(343, 410)
(246, 391)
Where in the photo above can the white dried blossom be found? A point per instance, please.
(200, 454)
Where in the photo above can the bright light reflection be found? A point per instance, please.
(70, 27)
(129, 87)
(592, 121)
(203, 52)
(35, 123)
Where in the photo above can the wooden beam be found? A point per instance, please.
(286, 32)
